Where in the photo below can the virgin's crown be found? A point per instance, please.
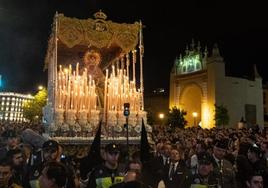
(100, 15)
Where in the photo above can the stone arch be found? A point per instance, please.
(190, 100)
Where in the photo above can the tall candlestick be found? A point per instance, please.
(141, 66)
(134, 62)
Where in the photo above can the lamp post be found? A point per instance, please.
(195, 115)
(161, 117)
(126, 113)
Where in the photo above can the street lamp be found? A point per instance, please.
(161, 117)
(40, 87)
(195, 114)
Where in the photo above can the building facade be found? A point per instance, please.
(199, 82)
(11, 106)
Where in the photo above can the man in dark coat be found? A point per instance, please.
(205, 175)
(258, 162)
(11, 141)
(222, 166)
(176, 174)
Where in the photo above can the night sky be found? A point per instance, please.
(239, 29)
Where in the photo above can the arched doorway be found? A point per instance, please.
(190, 101)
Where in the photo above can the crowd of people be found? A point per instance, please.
(178, 158)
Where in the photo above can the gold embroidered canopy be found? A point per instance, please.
(76, 36)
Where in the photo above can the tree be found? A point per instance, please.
(221, 115)
(176, 118)
(33, 109)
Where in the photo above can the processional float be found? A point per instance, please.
(92, 65)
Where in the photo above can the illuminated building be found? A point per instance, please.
(198, 82)
(11, 106)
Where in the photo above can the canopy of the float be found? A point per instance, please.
(76, 36)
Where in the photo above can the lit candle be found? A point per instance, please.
(77, 69)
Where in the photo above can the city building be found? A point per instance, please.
(11, 106)
(198, 82)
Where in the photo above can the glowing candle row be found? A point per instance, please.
(74, 91)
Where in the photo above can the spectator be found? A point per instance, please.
(54, 175)
(255, 181)
(6, 180)
(107, 174)
(11, 141)
(15, 156)
(205, 175)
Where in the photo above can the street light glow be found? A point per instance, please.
(195, 114)
(40, 87)
(161, 116)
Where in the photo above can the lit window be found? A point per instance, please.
(7, 108)
(8, 98)
(13, 99)
(3, 103)
(3, 98)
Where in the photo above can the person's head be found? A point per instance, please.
(251, 139)
(11, 138)
(175, 155)
(92, 57)
(134, 165)
(111, 155)
(264, 146)
(160, 148)
(200, 147)
(167, 148)
(131, 175)
(5, 173)
(220, 148)
(243, 148)
(16, 158)
(54, 175)
(254, 153)
(255, 181)
(204, 164)
(50, 150)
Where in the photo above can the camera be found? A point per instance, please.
(62, 156)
